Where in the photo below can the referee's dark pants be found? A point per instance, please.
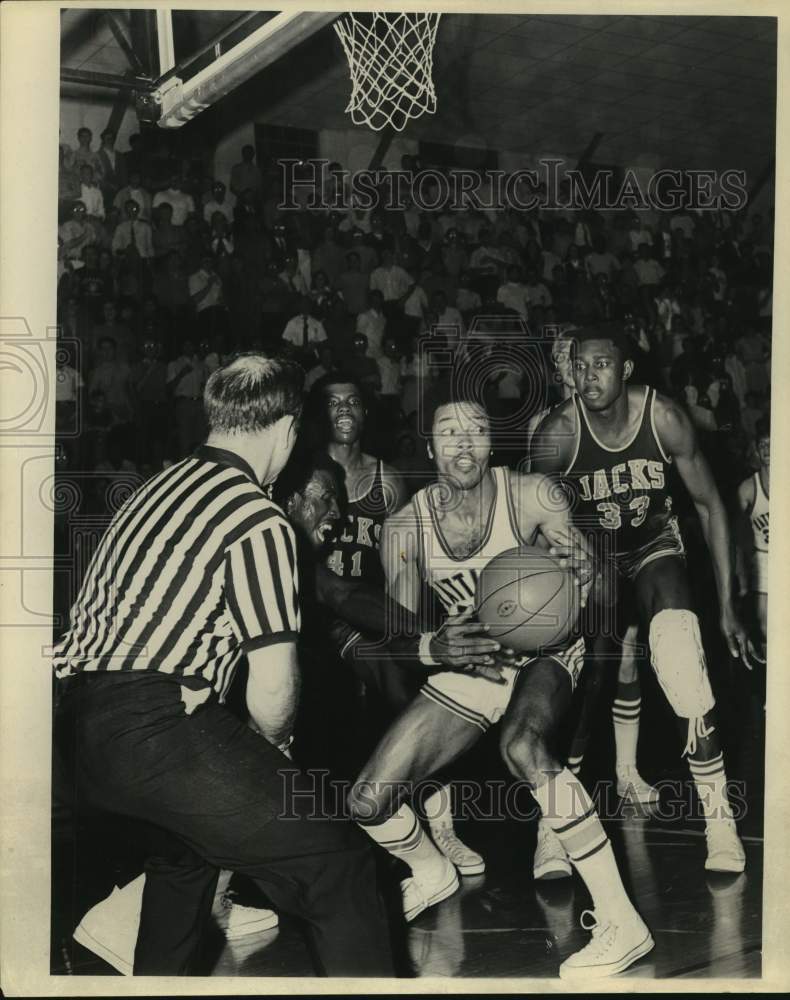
(232, 799)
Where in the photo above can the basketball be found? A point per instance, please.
(527, 599)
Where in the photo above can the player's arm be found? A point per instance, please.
(396, 496)
(743, 533)
(679, 440)
(551, 444)
(540, 499)
(458, 644)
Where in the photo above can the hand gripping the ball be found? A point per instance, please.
(461, 644)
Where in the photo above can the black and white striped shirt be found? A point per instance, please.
(198, 567)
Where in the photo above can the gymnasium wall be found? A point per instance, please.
(93, 113)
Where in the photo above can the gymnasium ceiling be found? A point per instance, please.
(683, 90)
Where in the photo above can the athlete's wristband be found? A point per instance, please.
(424, 651)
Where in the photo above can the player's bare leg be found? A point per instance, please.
(424, 739)
(678, 658)
(619, 936)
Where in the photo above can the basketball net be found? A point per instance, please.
(390, 61)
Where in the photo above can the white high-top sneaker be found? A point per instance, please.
(632, 787)
(725, 850)
(550, 860)
(109, 929)
(612, 948)
(467, 861)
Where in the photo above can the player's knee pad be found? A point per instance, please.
(678, 659)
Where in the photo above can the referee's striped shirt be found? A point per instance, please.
(198, 567)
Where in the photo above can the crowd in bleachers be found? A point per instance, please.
(164, 273)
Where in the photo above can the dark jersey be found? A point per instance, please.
(355, 553)
(622, 493)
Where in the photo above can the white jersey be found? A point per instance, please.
(759, 516)
(454, 580)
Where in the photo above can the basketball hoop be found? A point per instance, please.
(390, 61)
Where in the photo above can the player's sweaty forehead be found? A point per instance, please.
(464, 416)
(589, 350)
(343, 392)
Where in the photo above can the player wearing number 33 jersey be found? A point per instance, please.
(612, 444)
(624, 490)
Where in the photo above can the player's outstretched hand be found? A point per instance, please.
(735, 634)
(461, 643)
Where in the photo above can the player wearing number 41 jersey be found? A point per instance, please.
(612, 445)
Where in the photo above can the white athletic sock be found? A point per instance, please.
(569, 811)
(710, 781)
(438, 810)
(403, 836)
(625, 716)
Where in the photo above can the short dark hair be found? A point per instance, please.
(449, 391)
(762, 428)
(300, 469)
(604, 331)
(338, 377)
(252, 393)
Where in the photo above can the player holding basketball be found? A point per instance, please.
(613, 443)
(375, 491)
(445, 537)
(753, 496)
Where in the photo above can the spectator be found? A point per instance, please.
(135, 191)
(467, 299)
(181, 203)
(206, 293)
(186, 376)
(133, 238)
(363, 368)
(90, 194)
(111, 378)
(84, 155)
(304, 330)
(111, 328)
(113, 167)
(392, 281)
(149, 382)
(292, 277)
(368, 258)
(166, 237)
(512, 293)
(326, 364)
(372, 323)
(329, 257)
(77, 233)
(245, 175)
(390, 375)
(536, 293)
(353, 285)
(601, 261)
(219, 201)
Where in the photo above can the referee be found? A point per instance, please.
(196, 570)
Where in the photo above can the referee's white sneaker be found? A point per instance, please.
(612, 948)
(725, 850)
(109, 929)
(419, 895)
(467, 861)
(632, 787)
(551, 860)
